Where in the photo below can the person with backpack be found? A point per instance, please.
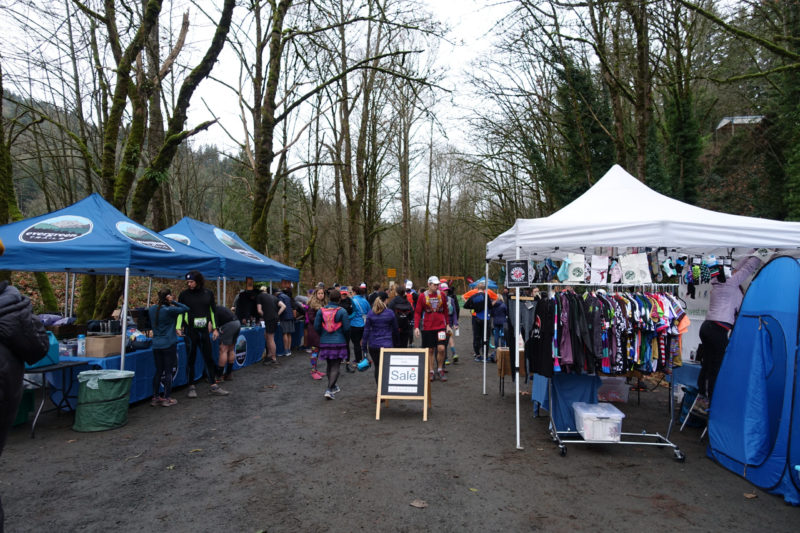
(404, 312)
(499, 314)
(286, 319)
(332, 324)
(316, 302)
(452, 311)
(475, 301)
(380, 328)
(431, 324)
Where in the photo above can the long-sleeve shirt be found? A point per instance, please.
(431, 311)
(726, 297)
(164, 334)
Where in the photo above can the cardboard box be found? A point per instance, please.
(598, 422)
(103, 345)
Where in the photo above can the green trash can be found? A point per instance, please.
(103, 398)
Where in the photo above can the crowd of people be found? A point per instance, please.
(347, 326)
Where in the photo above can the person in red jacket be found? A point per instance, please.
(431, 316)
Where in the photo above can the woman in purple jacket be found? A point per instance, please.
(379, 327)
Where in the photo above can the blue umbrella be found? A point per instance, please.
(492, 285)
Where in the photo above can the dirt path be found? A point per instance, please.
(275, 456)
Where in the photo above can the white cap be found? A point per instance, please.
(409, 284)
(443, 286)
(433, 279)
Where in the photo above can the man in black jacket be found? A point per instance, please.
(22, 337)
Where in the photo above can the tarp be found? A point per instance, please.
(93, 237)
(754, 420)
(621, 211)
(238, 259)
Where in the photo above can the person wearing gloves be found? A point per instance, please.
(724, 302)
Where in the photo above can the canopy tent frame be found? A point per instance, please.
(649, 220)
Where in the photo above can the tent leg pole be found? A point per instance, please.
(66, 292)
(149, 289)
(123, 318)
(224, 291)
(218, 290)
(72, 297)
(516, 355)
(485, 320)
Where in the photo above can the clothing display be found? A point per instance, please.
(598, 331)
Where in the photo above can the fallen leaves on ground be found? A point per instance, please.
(750, 495)
(195, 450)
(171, 467)
(419, 504)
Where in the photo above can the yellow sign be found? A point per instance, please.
(391, 272)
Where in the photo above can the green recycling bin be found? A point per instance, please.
(103, 398)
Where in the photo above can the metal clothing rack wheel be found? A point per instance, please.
(562, 438)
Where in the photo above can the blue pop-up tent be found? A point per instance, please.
(93, 237)
(239, 260)
(754, 420)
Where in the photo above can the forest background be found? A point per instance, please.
(354, 150)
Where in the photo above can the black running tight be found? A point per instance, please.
(333, 371)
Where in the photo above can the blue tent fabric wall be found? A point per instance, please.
(239, 260)
(754, 420)
(93, 237)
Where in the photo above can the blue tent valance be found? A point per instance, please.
(93, 237)
(239, 260)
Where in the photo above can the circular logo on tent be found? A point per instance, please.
(241, 350)
(57, 229)
(577, 272)
(630, 275)
(180, 237)
(235, 245)
(517, 274)
(143, 236)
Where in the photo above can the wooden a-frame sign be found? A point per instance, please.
(403, 375)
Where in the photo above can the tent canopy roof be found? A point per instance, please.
(621, 211)
(93, 237)
(239, 260)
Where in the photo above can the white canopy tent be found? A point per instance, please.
(620, 211)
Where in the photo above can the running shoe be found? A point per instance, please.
(216, 390)
(442, 377)
(192, 392)
(336, 389)
(329, 395)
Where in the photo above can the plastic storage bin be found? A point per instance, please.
(103, 398)
(600, 422)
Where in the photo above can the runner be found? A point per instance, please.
(431, 317)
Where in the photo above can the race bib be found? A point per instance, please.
(442, 335)
(200, 322)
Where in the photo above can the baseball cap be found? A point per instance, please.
(409, 284)
(443, 286)
(363, 285)
(433, 279)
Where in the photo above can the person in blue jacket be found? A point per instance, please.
(333, 325)
(361, 308)
(164, 317)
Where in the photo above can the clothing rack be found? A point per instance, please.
(562, 438)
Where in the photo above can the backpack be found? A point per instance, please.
(329, 323)
(403, 310)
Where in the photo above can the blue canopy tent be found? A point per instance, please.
(491, 285)
(239, 260)
(754, 420)
(93, 237)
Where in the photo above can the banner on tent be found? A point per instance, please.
(517, 274)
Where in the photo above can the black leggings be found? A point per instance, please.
(715, 340)
(333, 371)
(356, 334)
(165, 359)
(198, 337)
(375, 355)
